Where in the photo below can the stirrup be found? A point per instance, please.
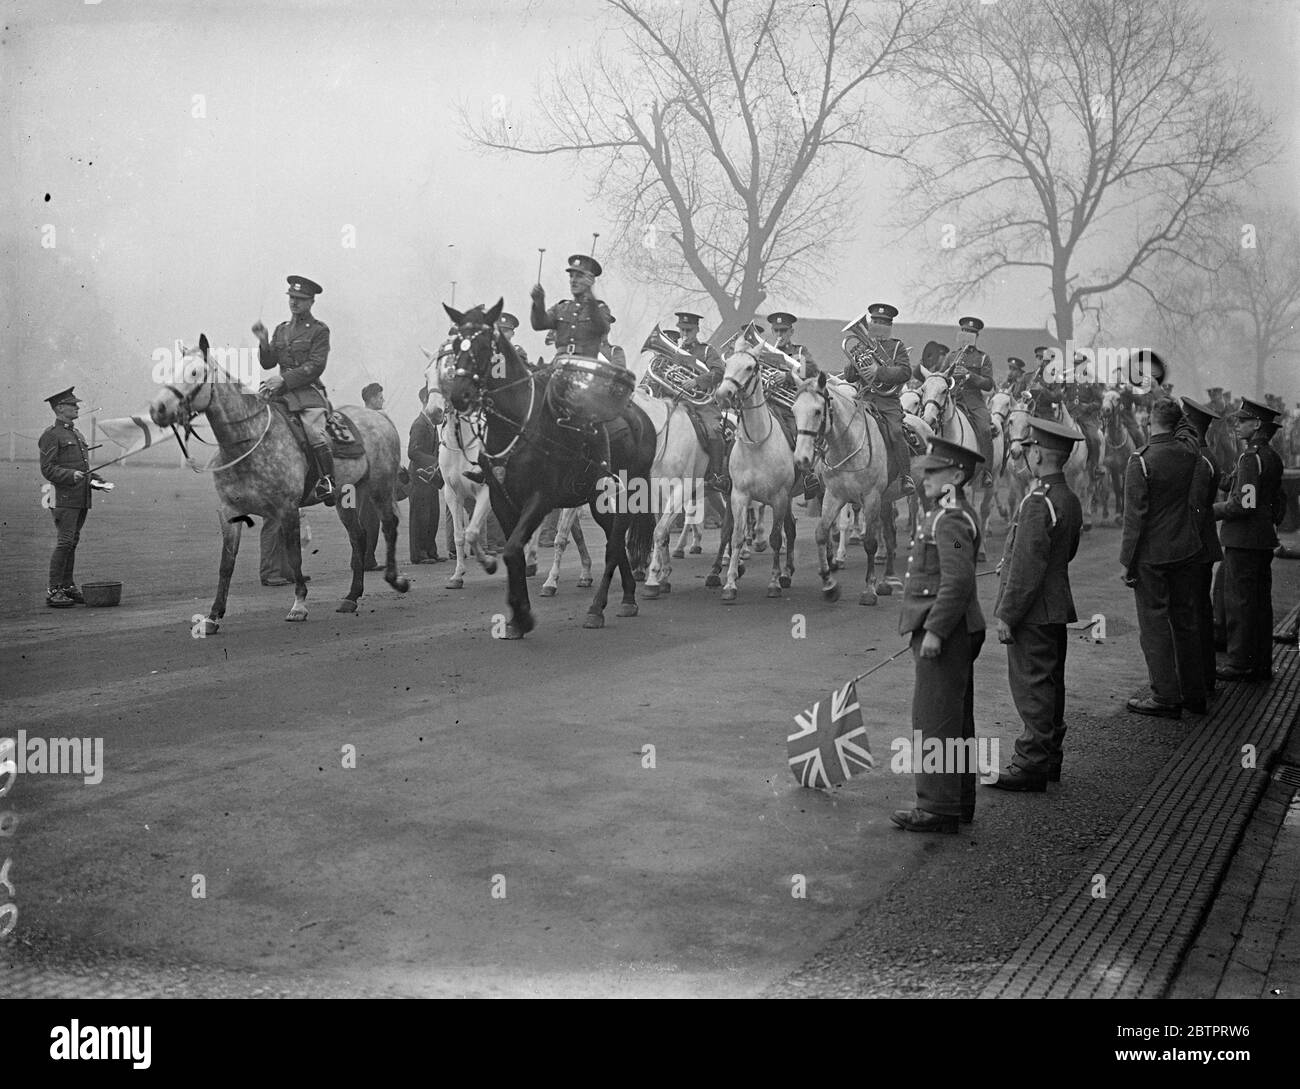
(906, 486)
(325, 490)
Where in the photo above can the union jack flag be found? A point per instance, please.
(830, 745)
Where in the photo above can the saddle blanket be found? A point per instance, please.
(341, 431)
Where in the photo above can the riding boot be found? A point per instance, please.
(715, 474)
(903, 455)
(325, 488)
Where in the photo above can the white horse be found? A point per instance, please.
(855, 467)
(459, 447)
(761, 468)
(939, 410)
(1076, 465)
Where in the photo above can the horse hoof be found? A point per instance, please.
(459, 584)
(712, 582)
(628, 608)
(866, 598)
(650, 591)
(547, 590)
(345, 606)
(784, 580)
(513, 631)
(530, 570)
(696, 550)
(831, 592)
(490, 566)
(211, 626)
(773, 590)
(678, 554)
(401, 584)
(745, 553)
(594, 620)
(740, 570)
(885, 589)
(1087, 527)
(638, 575)
(834, 565)
(666, 587)
(729, 596)
(760, 546)
(584, 581)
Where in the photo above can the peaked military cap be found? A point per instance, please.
(1253, 410)
(753, 327)
(780, 317)
(943, 454)
(1042, 349)
(1014, 362)
(971, 325)
(302, 288)
(1054, 436)
(63, 397)
(509, 321)
(580, 262)
(1158, 367)
(687, 317)
(882, 312)
(1202, 413)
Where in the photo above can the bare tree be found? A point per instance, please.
(722, 135)
(1089, 139)
(1259, 280)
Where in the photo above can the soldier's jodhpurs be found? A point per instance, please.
(1248, 608)
(67, 525)
(943, 707)
(980, 419)
(1166, 609)
(711, 419)
(1036, 675)
(890, 414)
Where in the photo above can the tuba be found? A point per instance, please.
(867, 354)
(673, 372)
(770, 374)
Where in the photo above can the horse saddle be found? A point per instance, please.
(344, 443)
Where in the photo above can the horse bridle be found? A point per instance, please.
(742, 391)
(483, 398)
(186, 411)
(948, 387)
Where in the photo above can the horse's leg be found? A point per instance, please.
(615, 527)
(847, 524)
(230, 532)
(757, 537)
(530, 557)
(521, 620)
(563, 528)
(713, 578)
(474, 529)
(388, 521)
(357, 538)
(889, 530)
(788, 522)
(832, 510)
(739, 513)
(871, 520)
(659, 578)
(456, 512)
(584, 556)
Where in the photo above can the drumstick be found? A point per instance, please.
(540, 251)
(593, 243)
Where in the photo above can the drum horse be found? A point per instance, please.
(534, 458)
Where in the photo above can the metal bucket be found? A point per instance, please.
(102, 593)
(590, 389)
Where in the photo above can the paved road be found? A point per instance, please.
(481, 766)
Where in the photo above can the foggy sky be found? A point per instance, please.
(327, 115)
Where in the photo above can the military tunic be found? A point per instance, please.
(1035, 602)
(1159, 548)
(581, 325)
(880, 376)
(300, 350)
(1205, 486)
(939, 596)
(1248, 539)
(978, 381)
(64, 452)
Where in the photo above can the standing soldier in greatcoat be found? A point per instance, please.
(65, 463)
(1205, 486)
(941, 615)
(1249, 538)
(1034, 605)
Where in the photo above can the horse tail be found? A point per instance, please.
(640, 539)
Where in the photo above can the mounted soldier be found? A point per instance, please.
(1045, 384)
(581, 325)
(300, 348)
(1083, 401)
(972, 373)
(1017, 380)
(880, 367)
(708, 416)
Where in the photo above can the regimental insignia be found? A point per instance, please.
(296, 286)
(499, 471)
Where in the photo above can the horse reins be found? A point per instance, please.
(187, 412)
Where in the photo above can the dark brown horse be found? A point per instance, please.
(534, 463)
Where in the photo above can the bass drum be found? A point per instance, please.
(588, 388)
